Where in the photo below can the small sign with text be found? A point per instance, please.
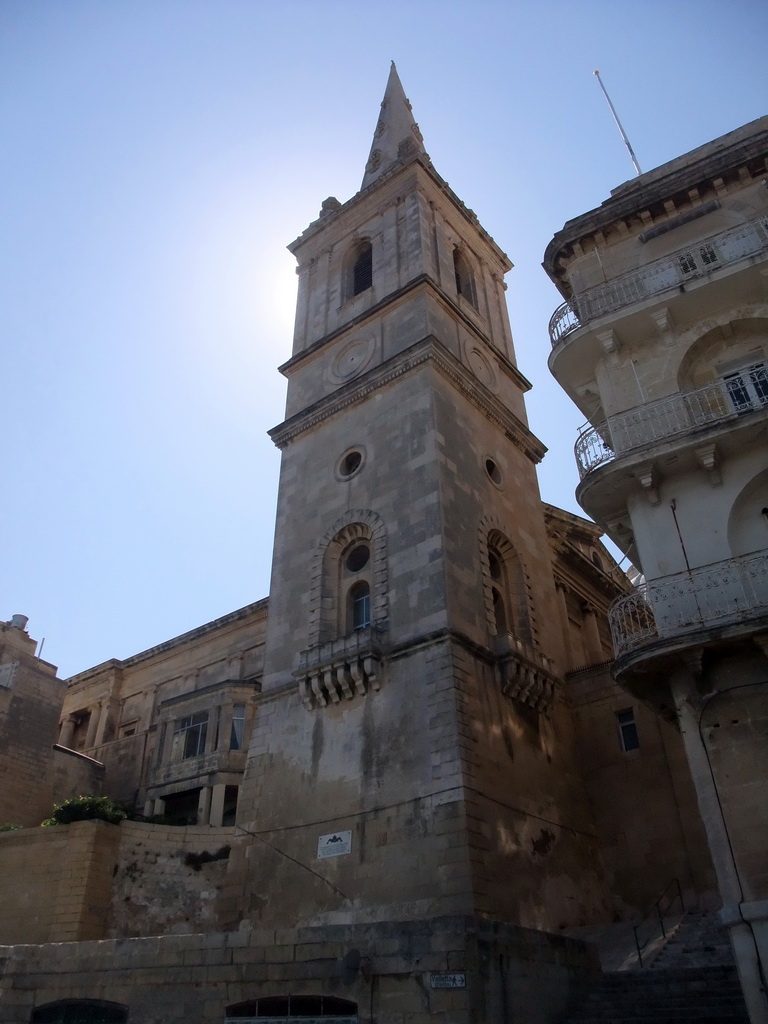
(334, 844)
(448, 980)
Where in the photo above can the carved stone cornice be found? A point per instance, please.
(524, 674)
(428, 350)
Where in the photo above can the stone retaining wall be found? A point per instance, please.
(193, 978)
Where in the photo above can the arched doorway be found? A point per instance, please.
(80, 1011)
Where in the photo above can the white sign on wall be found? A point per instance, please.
(334, 844)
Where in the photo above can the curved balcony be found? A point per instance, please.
(564, 320)
(666, 418)
(659, 276)
(720, 594)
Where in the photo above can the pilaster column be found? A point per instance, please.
(217, 805)
(167, 742)
(67, 731)
(93, 725)
(592, 634)
(749, 960)
(225, 728)
(563, 609)
(204, 806)
(104, 710)
(213, 735)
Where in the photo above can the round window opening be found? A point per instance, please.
(357, 558)
(493, 471)
(351, 462)
(495, 566)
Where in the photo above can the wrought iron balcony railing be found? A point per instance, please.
(659, 276)
(733, 590)
(738, 393)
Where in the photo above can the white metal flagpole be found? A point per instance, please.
(618, 123)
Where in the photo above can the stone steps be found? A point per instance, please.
(693, 978)
(699, 994)
(700, 940)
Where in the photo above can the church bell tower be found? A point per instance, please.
(411, 747)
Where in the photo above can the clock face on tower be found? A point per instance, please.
(479, 364)
(351, 359)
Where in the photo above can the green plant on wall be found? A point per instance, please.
(86, 808)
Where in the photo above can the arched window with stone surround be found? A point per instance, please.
(348, 603)
(349, 578)
(357, 269)
(465, 281)
(508, 601)
(354, 604)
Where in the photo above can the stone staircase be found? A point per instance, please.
(699, 940)
(692, 978)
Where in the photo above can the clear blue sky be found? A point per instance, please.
(160, 154)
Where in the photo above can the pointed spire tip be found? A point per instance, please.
(397, 136)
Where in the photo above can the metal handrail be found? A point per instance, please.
(667, 417)
(731, 590)
(660, 275)
(564, 320)
(660, 914)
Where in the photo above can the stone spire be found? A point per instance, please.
(397, 136)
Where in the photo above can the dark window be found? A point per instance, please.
(189, 735)
(357, 558)
(295, 1006)
(493, 471)
(748, 388)
(181, 808)
(509, 592)
(465, 285)
(627, 730)
(237, 732)
(229, 814)
(499, 612)
(498, 590)
(79, 1011)
(360, 605)
(697, 260)
(687, 263)
(362, 271)
(350, 463)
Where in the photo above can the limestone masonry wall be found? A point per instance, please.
(62, 882)
(168, 880)
(195, 977)
(90, 880)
